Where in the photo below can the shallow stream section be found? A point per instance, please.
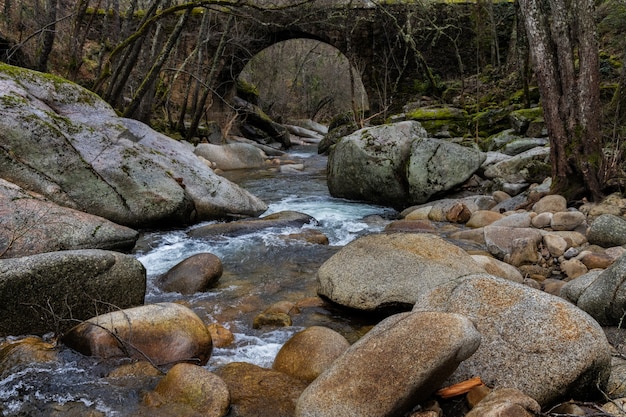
(259, 269)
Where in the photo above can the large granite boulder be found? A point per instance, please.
(65, 143)
(436, 165)
(533, 341)
(395, 366)
(607, 230)
(162, 333)
(50, 291)
(390, 271)
(397, 165)
(30, 224)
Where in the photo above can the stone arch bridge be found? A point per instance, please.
(387, 44)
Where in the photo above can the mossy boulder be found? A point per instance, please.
(441, 121)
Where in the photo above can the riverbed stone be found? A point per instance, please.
(25, 352)
(31, 224)
(555, 244)
(552, 203)
(389, 271)
(41, 293)
(501, 240)
(164, 333)
(567, 220)
(70, 146)
(395, 366)
(607, 230)
(506, 402)
(232, 155)
(527, 337)
(310, 352)
(482, 218)
(237, 228)
(197, 273)
(526, 167)
(498, 268)
(260, 392)
(603, 296)
(191, 391)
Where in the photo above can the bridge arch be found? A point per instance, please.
(303, 73)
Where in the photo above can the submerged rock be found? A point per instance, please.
(197, 273)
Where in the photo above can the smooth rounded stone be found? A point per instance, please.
(604, 296)
(616, 386)
(567, 220)
(521, 220)
(506, 402)
(498, 268)
(501, 240)
(192, 391)
(500, 196)
(555, 244)
(47, 292)
(420, 213)
(616, 408)
(241, 227)
(615, 252)
(511, 204)
(571, 253)
(310, 352)
(522, 251)
(195, 274)
(522, 145)
(552, 203)
(527, 337)
(542, 220)
(232, 156)
(395, 366)
(553, 286)
(514, 188)
(607, 230)
(573, 238)
(452, 210)
(381, 271)
(260, 392)
(573, 268)
(470, 235)
(483, 218)
(164, 333)
(596, 260)
(308, 236)
(32, 224)
(412, 226)
(25, 352)
(220, 335)
(138, 369)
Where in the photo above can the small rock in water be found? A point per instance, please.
(195, 274)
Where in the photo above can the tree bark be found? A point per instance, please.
(564, 48)
(47, 37)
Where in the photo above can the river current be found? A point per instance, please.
(260, 269)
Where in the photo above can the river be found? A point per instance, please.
(259, 269)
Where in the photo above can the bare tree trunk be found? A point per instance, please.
(48, 35)
(152, 75)
(195, 122)
(570, 91)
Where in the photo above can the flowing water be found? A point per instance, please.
(259, 269)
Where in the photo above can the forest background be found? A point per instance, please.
(137, 55)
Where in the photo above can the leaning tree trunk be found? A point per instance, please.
(48, 35)
(563, 41)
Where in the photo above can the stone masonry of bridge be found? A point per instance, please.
(375, 39)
